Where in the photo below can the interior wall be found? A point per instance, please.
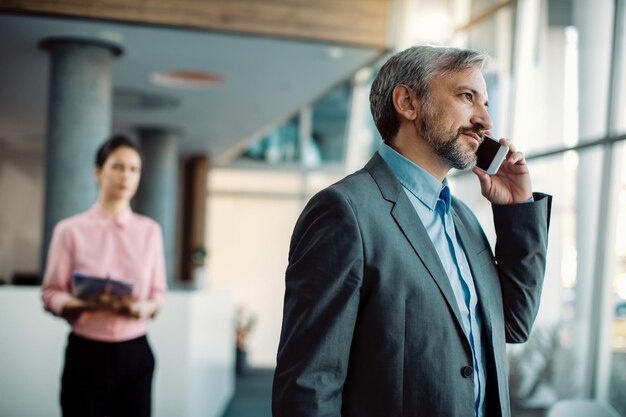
(251, 216)
(21, 206)
(248, 248)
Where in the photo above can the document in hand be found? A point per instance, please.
(84, 286)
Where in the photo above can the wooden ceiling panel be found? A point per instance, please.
(355, 22)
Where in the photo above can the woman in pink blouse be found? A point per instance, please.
(108, 361)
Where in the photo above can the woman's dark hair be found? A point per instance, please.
(114, 142)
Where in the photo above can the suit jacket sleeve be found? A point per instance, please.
(520, 252)
(322, 294)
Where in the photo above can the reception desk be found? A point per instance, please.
(192, 338)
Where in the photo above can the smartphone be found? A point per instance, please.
(490, 155)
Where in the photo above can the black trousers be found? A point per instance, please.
(112, 379)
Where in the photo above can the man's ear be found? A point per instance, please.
(405, 102)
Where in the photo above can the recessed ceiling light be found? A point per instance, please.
(112, 36)
(188, 79)
(335, 52)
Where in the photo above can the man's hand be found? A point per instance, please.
(511, 184)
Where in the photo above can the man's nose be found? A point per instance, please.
(481, 118)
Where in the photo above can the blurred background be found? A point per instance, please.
(245, 109)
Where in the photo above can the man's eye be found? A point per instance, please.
(468, 96)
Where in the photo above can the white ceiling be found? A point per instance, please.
(266, 80)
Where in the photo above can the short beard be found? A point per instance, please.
(445, 143)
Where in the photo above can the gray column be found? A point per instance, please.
(157, 193)
(79, 119)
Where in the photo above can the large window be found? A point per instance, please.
(552, 85)
(617, 382)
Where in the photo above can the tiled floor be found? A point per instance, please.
(253, 394)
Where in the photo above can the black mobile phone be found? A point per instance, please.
(490, 154)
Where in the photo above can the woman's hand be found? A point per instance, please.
(103, 302)
(145, 309)
(126, 305)
(73, 309)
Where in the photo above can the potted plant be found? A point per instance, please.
(245, 325)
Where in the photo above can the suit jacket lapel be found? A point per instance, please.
(472, 245)
(405, 216)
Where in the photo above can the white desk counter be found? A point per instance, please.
(192, 338)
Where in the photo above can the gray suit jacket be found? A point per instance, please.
(371, 326)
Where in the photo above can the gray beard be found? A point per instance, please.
(447, 148)
(452, 152)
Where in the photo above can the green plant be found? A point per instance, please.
(245, 324)
(198, 255)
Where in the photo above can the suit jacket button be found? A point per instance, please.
(467, 371)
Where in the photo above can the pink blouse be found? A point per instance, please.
(127, 248)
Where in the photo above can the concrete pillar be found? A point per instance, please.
(79, 119)
(157, 193)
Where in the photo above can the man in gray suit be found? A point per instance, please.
(395, 304)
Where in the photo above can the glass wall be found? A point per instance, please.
(280, 146)
(617, 289)
(315, 137)
(617, 381)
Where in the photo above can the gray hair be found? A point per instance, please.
(415, 67)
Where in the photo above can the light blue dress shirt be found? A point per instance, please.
(431, 200)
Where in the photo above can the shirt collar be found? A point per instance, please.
(104, 217)
(415, 179)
